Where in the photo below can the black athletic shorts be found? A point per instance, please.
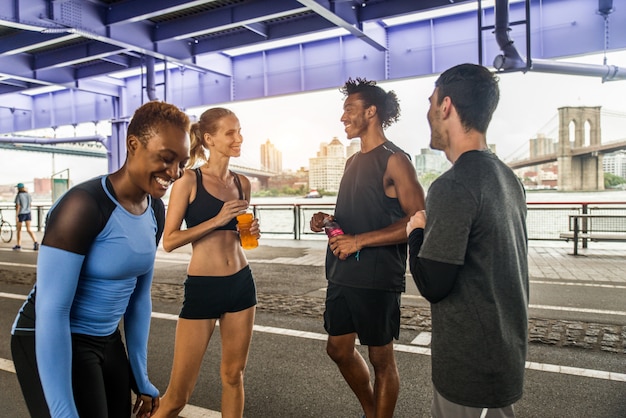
(373, 314)
(23, 217)
(209, 297)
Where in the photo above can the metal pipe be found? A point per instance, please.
(510, 59)
(150, 79)
(607, 72)
(47, 141)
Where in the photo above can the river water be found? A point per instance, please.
(531, 196)
(288, 217)
(547, 215)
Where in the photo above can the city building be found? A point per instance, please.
(326, 169)
(541, 145)
(43, 186)
(353, 147)
(431, 161)
(290, 179)
(543, 176)
(615, 163)
(271, 158)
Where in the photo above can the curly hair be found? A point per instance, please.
(386, 103)
(206, 124)
(151, 116)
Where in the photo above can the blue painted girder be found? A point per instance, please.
(198, 73)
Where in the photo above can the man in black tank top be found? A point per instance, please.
(366, 265)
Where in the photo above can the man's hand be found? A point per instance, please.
(343, 246)
(145, 406)
(317, 221)
(417, 221)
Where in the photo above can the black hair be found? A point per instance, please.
(474, 92)
(151, 116)
(386, 103)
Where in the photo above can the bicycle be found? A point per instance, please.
(6, 229)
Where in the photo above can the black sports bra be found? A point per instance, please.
(206, 206)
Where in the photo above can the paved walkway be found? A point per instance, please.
(548, 261)
(600, 262)
(287, 264)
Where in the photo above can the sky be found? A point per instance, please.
(297, 124)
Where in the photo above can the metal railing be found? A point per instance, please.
(546, 220)
(38, 214)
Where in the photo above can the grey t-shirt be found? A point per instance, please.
(23, 199)
(477, 219)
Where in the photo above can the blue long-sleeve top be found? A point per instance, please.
(94, 268)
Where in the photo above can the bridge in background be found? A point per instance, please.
(579, 150)
(51, 149)
(576, 152)
(262, 175)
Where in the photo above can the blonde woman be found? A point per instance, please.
(219, 284)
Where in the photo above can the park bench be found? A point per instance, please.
(591, 227)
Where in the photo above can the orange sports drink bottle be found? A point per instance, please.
(248, 241)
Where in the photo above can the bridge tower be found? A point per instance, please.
(579, 172)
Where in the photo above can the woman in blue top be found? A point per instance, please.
(94, 268)
(219, 284)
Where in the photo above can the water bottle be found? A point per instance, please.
(332, 228)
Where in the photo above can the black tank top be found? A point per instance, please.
(206, 206)
(362, 206)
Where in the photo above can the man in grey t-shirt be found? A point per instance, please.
(469, 256)
(23, 201)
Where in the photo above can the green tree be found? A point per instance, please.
(427, 179)
(611, 180)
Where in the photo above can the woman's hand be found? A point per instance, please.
(255, 229)
(231, 209)
(145, 406)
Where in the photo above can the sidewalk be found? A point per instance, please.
(600, 262)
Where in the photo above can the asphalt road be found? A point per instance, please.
(289, 374)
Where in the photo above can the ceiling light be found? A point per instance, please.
(296, 40)
(440, 12)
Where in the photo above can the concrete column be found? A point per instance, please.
(583, 172)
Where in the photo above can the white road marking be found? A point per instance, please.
(580, 310)
(190, 411)
(576, 371)
(7, 365)
(544, 367)
(423, 339)
(6, 263)
(607, 286)
(12, 296)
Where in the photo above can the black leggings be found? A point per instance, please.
(101, 377)
(23, 353)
